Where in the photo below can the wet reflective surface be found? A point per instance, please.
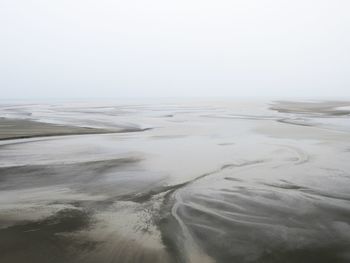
(193, 181)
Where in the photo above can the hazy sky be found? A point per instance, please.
(139, 48)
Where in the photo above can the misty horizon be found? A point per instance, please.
(114, 49)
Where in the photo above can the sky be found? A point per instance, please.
(182, 48)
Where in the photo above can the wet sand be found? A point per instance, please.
(21, 129)
(221, 181)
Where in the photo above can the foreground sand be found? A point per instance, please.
(194, 182)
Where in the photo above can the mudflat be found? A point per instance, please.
(194, 181)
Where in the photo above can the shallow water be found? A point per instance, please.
(194, 181)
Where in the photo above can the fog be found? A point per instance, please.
(134, 48)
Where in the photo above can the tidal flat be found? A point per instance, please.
(175, 182)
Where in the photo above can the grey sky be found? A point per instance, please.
(138, 48)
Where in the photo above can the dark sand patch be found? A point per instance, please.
(20, 129)
(44, 241)
(24, 129)
(323, 108)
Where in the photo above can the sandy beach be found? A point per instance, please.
(182, 181)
